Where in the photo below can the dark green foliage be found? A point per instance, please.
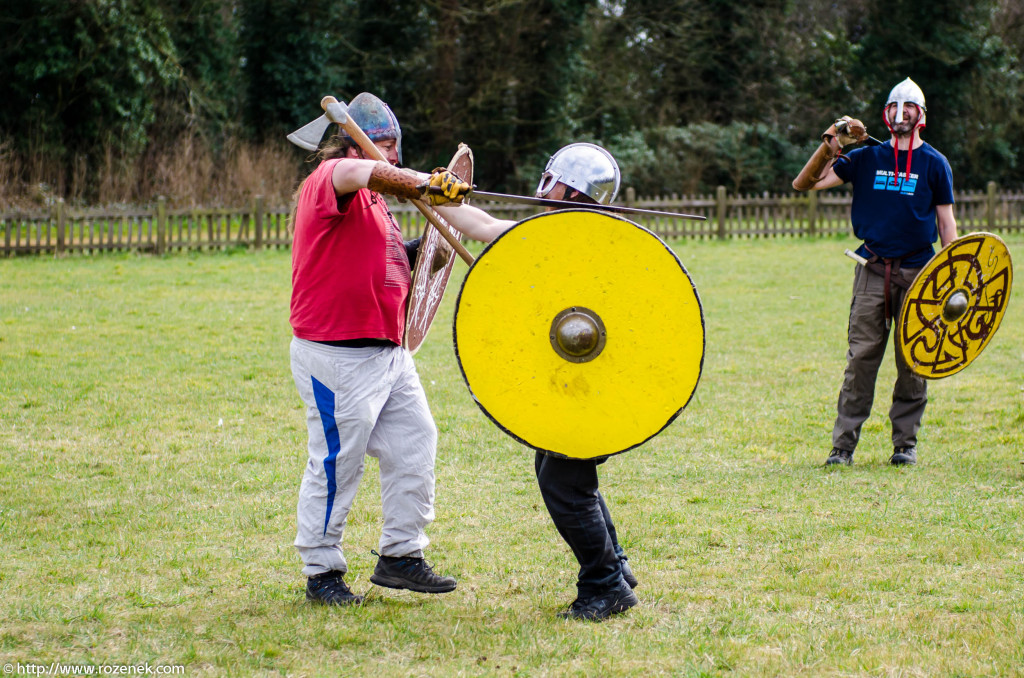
(80, 75)
(966, 72)
(514, 64)
(689, 94)
(205, 94)
(290, 53)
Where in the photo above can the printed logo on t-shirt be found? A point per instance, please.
(887, 180)
(397, 272)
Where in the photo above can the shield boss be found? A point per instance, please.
(955, 305)
(579, 333)
(433, 265)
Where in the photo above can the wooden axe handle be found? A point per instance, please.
(370, 148)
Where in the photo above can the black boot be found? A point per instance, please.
(602, 605)
(330, 588)
(838, 456)
(414, 574)
(627, 572)
(903, 456)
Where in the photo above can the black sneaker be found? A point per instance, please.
(602, 606)
(903, 456)
(329, 588)
(840, 457)
(627, 573)
(410, 573)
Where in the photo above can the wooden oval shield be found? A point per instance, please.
(579, 333)
(955, 305)
(433, 265)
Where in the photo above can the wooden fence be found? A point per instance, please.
(160, 229)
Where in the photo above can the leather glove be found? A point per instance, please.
(444, 187)
(846, 131)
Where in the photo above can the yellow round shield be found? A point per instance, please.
(955, 305)
(579, 333)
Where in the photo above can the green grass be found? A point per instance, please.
(152, 443)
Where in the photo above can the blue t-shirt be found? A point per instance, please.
(894, 216)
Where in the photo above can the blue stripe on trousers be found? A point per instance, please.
(325, 405)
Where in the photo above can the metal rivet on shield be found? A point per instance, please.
(577, 334)
(955, 306)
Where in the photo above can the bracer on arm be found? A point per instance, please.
(385, 178)
(843, 132)
(388, 179)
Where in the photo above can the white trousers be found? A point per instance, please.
(362, 401)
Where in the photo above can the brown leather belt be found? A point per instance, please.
(889, 270)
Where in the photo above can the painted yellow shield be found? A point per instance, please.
(955, 305)
(579, 333)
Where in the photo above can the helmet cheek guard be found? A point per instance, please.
(547, 182)
(587, 168)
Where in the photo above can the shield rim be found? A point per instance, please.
(918, 282)
(555, 453)
(422, 265)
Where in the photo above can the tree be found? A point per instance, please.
(81, 77)
(206, 96)
(291, 51)
(516, 60)
(970, 82)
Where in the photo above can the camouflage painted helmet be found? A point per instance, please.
(376, 119)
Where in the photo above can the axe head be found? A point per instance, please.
(309, 136)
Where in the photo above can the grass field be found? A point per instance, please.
(152, 443)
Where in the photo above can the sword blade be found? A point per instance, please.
(562, 204)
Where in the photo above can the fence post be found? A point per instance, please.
(630, 196)
(990, 207)
(161, 224)
(60, 227)
(720, 205)
(812, 212)
(257, 221)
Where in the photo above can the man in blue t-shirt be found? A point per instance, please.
(902, 203)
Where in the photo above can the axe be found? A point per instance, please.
(309, 136)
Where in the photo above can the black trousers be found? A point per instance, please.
(569, 489)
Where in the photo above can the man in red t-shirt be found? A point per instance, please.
(350, 282)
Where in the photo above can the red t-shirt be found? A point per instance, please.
(350, 273)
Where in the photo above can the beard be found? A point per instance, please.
(904, 128)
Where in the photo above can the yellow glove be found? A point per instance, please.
(445, 187)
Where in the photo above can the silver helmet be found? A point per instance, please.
(376, 119)
(907, 92)
(588, 168)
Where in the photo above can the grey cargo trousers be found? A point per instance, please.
(868, 336)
